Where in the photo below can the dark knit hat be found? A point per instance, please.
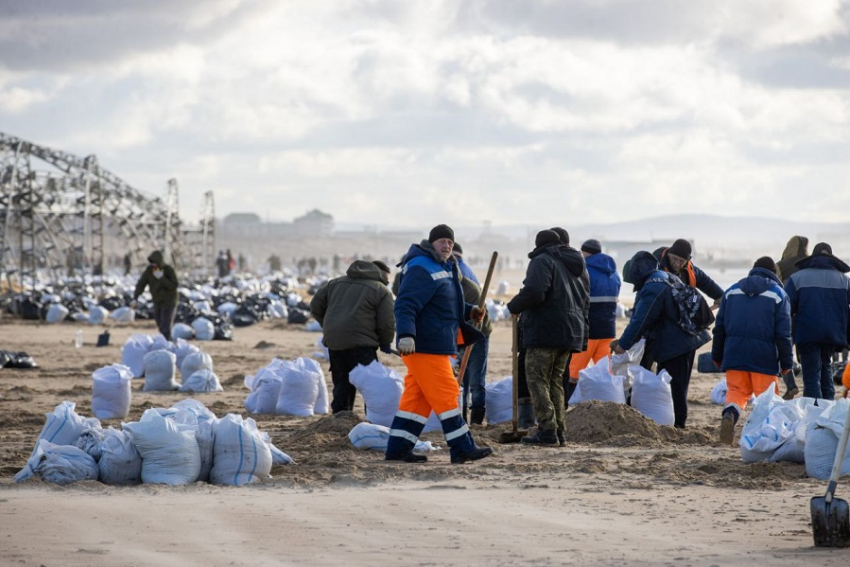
(382, 266)
(441, 231)
(563, 235)
(457, 248)
(767, 263)
(822, 248)
(591, 246)
(681, 248)
(545, 237)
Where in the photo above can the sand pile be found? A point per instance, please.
(327, 434)
(600, 422)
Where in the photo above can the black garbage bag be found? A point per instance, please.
(19, 360)
(4, 358)
(223, 329)
(30, 308)
(297, 316)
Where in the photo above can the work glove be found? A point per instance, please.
(477, 314)
(615, 344)
(406, 345)
(157, 274)
(387, 349)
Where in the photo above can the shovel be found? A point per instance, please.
(830, 515)
(481, 304)
(514, 435)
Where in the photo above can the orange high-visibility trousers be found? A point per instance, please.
(597, 349)
(743, 384)
(429, 385)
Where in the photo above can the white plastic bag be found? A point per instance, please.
(771, 423)
(123, 315)
(97, 315)
(719, 391)
(299, 389)
(56, 313)
(111, 393)
(196, 361)
(265, 390)
(182, 331)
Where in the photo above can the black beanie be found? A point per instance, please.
(457, 248)
(591, 246)
(545, 237)
(767, 263)
(822, 248)
(681, 248)
(563, 235)
(441, 231)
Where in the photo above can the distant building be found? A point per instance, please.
(241, 219)
(315, 223)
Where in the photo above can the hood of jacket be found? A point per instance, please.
(362, 269)
(823, 261)
(602, 262)
(156, 258)
(758, 281)
(643, 265)
(572, 259)
(797, 246)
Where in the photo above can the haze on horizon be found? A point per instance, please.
(408, 114)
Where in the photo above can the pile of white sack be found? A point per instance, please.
(158, 360)
(178, 445)
(290, 387)
(797, 431)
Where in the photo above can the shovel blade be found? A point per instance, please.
(830, 522)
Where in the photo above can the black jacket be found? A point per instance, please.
(554, 300)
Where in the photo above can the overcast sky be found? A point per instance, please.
(396, 112)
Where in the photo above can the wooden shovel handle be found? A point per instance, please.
(481, 304)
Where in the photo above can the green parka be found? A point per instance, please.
(164, 289)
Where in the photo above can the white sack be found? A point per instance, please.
(56, 313)
(597, 383)
(499, 402)
(63, 426)
(159, 371)
(123, 315)
(120, 463)
(771, 423)
(242, 454)
(265, 391)
(651, 395)
(133, 353)
(111, 393)
(182, 331)
(299, 390)
(201, 381)
(719, 391)
(97, 315)
(59, 464)
(204, 329)
(381, 389)
(370, 436)
(169, 451)
(182, 349)
(196, 361)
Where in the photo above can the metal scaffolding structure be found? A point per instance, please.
(63, 215)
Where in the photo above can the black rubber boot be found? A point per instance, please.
(542, 437)
(409, 457)
(525, 414)
(472, 455)
(477, 416)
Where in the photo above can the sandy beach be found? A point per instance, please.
(616, 495)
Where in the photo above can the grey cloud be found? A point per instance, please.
(57, 35)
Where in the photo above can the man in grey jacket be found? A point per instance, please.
(356, 315)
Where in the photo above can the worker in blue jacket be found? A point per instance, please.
(752, 340)
(657, 318)
(820, 310)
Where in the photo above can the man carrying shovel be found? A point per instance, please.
(429, 312)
